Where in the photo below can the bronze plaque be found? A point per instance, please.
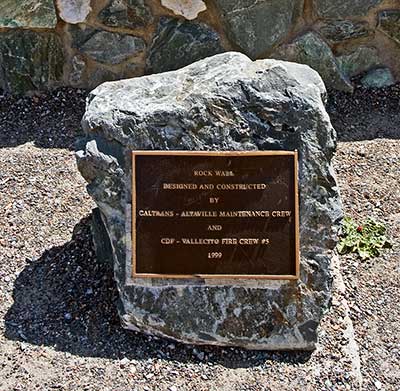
(215, 214)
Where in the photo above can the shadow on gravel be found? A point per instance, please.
(366, 114)
(65, 299)
(51, 120)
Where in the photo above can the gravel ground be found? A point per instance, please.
(368, 174)
(50, 121)
(366, 114)
(59, 329)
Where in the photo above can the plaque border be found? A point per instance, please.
(295, 276)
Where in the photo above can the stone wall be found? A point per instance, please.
(81, 43)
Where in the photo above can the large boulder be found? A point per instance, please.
(224, 102)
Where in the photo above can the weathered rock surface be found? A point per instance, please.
(256, 26)
(27, 13)
(104, 46)
(342, 9)
(189, 9)
(224, 102)
(360, 60)
(311, 50)
(389, 23)
(30, 61)
(73, 11)
(378, 78)
(177, 44)
(341, 30)
(126, 13)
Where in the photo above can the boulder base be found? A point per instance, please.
(224, 102)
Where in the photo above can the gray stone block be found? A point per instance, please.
(310, 49)
(104, 46)
(30, 61)
(358, 61)
(28, 14)
(224, 102)
(378, 78)
(180, 43)
(257, 26)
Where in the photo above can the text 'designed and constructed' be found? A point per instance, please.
(215, 214)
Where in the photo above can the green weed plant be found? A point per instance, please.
(367, 240)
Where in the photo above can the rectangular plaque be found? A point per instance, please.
(215, 214)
